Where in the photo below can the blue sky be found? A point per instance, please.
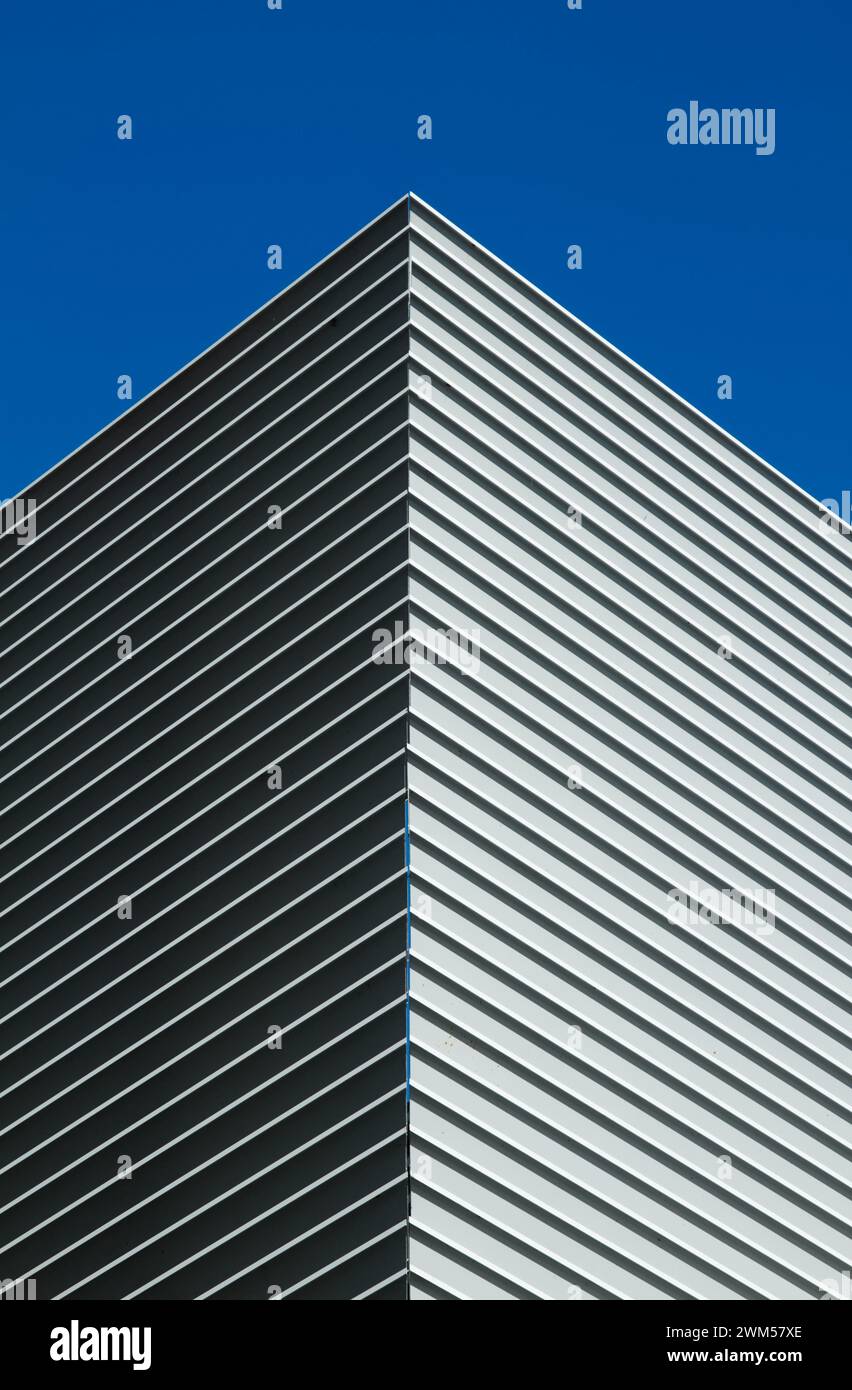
(297, 126)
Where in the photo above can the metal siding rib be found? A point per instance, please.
(256, 1170)
(581, 1067)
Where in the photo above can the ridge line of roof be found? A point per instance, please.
(412, 199)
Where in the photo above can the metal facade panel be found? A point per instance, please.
(613, 1097)
(203, 937)
(237, 1030)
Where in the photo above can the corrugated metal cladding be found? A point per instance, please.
(202, 837)
(643, 691)
(612, 1099)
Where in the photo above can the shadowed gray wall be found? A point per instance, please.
(241, 779)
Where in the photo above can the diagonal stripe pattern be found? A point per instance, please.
(609, 1102)
(425, 813)
(202, 833)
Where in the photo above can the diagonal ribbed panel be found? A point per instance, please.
(202, 843)
(607, 1101)
(202, 834)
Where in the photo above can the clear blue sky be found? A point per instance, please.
(296, 127)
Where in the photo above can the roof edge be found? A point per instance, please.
(723, 435)
(217, 342)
